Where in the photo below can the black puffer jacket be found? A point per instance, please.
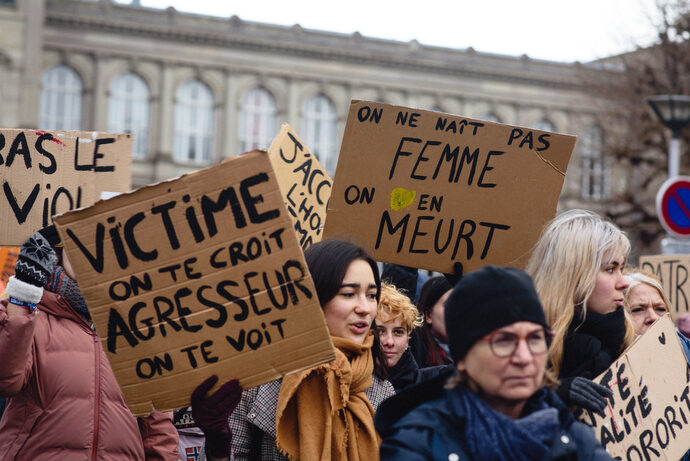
(433, 431)
(407, 373)
(591, 347)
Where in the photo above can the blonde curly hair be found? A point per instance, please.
(394, 304)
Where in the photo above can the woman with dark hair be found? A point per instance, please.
(327, 411)
(429, 343)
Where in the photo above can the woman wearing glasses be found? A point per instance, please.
(496, 406)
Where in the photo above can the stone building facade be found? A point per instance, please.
(196, 89)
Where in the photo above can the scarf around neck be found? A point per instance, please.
(608, 328)
(323, 412)
(493, 436)
(62, 284)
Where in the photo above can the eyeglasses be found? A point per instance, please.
(504, 344)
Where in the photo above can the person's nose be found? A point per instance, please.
(364, 305)
(522, 354)
(650, 316)
(386, 339)
(621, 282)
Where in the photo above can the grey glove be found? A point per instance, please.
(36, 261)
(584, 393)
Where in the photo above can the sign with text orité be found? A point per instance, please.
(674, 273)
(197, 276)
(649, 414)
(305, 185)
(45, 173)
(426, 189)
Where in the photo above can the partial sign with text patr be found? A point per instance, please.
(649, 414)
(674, 273)
(305, 185)
(426, 189)
(197, 276)
(45, 173)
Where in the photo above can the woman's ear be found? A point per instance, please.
(460, 366)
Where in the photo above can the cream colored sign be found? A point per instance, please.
(305, 185)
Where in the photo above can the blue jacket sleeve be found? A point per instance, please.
(408, 444)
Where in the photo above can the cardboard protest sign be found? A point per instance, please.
(305, 185)
(427, 189)
(197, 276)
(45, 173)
(674, 273)
(649, 414)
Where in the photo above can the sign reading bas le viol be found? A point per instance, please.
(197, 276)
(44, 173)
(427, 189)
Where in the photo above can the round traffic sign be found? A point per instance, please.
(673, 206)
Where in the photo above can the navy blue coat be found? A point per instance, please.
(431, 431)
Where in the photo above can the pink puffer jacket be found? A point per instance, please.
(64, 401)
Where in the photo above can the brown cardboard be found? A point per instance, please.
(45, 173)
(208, 277)
(390, 203)
(649, 415)
(674, 272)
(305, 184)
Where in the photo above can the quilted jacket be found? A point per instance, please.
(64, 401)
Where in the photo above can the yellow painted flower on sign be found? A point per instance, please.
(401, 198)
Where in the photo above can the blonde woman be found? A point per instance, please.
(646, 302)
(395, 320)
(577, 266)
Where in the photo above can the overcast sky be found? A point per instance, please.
(559, 30)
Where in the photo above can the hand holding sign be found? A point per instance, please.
(212, 413)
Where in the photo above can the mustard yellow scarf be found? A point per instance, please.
(323, 412)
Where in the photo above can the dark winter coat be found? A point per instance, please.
(432, 431)
(590, 347)
(407, 373)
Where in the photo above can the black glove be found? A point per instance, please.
(36, 261)
(211, 414)
(456, 275)
(584, 393)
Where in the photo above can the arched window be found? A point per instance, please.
(128, 111)
(61, 99)
(492, 117)
(545, 125)
(319, 129)
(594, 165)
(258, 112)
(194, 121)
